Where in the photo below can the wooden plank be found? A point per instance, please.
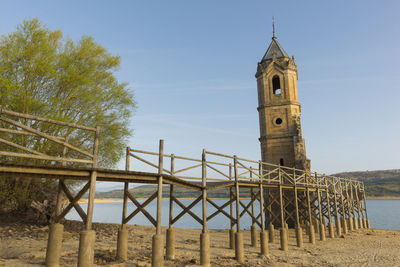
(44, 171)
(36, 118)
(20, 132)
(21, 147)
(148, 162)
(50, 158)
(215, 169)
(188, 168)
(52, 138)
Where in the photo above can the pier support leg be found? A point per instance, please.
(232, 238)
(122, 244)
(287, 231)
(307, 228)
(345, 230)
(86, 248)
(322, 232)
(157, 254)
(351, 228)
(264, 243)
(271, 234)
(316, 226)
(54, 244)
(360, 222)
(205, 249)
(368, 224)
(170, 253)
(338, 228)
(365, 223)
(355, 223)
(239, 250)
(331, 231)
(299, 236)
(312, 234)
(254, 236)
(157, 257)
(284, 239)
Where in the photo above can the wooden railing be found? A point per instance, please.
(221, 168)
(21, 140)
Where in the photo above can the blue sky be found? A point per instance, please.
(191, 65)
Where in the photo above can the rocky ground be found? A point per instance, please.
(24, 244)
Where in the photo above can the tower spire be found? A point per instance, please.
(273, 28)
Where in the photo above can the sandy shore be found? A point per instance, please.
(25, 245)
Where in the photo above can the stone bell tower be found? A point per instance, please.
(279, 109)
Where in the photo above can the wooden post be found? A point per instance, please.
(170, 246)
(93, 180)
(253, 230)
(171, 192)
(296, 198)
(126, 186)
(205, 236)
(160, 182)
(365, 209)
(343, 215)
(263, 233)
(338, 225)
(353, 206)
(328, 198)
(125, 203)
(299, 232)
(87, 237)
(359, 207)
(284, 241)
(232, 230)
(350, 220)
(321, 219)
(60, 197)
(54, 242)
(310, 219)
(239, 253)
(122, 239)
(157, 249)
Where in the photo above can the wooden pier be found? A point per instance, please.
(286, 197)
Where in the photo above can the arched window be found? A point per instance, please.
(276, 85)
(281, 162)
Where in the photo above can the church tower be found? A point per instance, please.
(279, 109)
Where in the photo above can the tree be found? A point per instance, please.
(43, 74)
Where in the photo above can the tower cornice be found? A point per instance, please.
(289, 103)
(284, 63)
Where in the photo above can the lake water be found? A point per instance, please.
(383, 214)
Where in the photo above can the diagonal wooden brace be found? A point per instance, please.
(73, 201)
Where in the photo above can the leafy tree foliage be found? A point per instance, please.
(44, 74)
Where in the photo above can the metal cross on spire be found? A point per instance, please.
(273, 28)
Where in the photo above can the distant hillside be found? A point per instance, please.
(179, 192)
(385, 183)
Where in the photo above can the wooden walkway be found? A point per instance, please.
(285, 197)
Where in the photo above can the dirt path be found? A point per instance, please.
(25, 245)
